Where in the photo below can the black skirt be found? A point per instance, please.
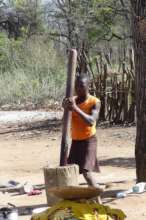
(83, 153)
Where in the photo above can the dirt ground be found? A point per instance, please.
(24, 154)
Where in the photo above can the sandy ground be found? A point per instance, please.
(23, 156)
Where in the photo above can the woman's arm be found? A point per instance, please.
(91, 118)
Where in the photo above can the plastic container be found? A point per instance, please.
(139, 187)
(121, 194)
(28, 187)
(8, 214)
(13, 215)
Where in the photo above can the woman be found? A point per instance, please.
(85, 111)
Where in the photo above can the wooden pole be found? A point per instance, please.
(72, 62)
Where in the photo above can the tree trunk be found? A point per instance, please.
(58, 177)
(103, 94)
(139, 35)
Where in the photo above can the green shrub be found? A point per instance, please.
(30, 71)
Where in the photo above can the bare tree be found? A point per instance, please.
(13, 18)
(82, 24)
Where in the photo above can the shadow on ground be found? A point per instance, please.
(111, 193)
(119, 162)
(28, 210)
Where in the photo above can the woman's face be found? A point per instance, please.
(81, 88)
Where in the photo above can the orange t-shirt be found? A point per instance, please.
(80, 130)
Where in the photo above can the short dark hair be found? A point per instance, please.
(81, 77)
